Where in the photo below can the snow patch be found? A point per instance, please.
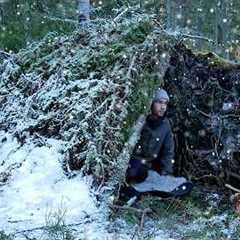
(38, 186)
(37, 189)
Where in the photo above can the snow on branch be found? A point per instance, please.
(80, 88)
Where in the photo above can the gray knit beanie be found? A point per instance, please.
(159, 94)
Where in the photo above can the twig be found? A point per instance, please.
(232, 188)
(30, 230)
(45, 227)
(198, 37)
(203, 113)
(131, 66)
(142, 220)
(143, 212)
(131, 201)
(61, 19)
(189, 36)
(120, 15)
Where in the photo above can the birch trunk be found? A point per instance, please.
(84, 10)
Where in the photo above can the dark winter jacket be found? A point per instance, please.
(156, 145)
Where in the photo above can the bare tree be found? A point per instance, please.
(84, 10)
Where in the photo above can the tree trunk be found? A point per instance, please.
(218, 27)
(200, 24)
(223, 26)
(168, 13)
(1, 16)
(84, 10)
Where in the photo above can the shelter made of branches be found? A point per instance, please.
(88, 88)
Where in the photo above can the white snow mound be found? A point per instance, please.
(37, 186)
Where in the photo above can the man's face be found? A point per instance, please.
(160, 107)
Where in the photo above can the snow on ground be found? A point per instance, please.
(37, 186)
(37, 189)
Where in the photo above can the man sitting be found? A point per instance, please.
(151, 165)
(155, 149)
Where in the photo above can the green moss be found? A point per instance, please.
(138, 33)
(192, 217)
(214, 60)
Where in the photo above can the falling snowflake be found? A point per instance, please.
(163, 55)
(187, 134)
(143, 161)
(202, 133)
(228, 151)
(179, 16)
